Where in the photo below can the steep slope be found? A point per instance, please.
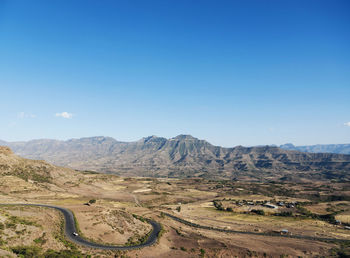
(320, 148)
(185, 156)
(35, 171)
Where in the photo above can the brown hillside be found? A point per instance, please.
(34, 170)
(185, 156)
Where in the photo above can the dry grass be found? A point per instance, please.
(25, 225)
(110, 220)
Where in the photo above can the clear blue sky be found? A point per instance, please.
(231, 72)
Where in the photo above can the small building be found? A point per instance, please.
(284, 231)
(270, 205)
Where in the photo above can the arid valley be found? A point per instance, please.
(267, 219)
(175, 128)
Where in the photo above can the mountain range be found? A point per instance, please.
(320, 148)
(184, 156)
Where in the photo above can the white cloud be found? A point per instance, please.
(12, 124)
(64, 115)
(347, 124)
(22, 115)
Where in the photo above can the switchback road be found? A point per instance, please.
(70, 228)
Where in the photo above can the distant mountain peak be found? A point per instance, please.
(94, 139)
(181, 156)
(287, 145)
(97, 138)
(319, 148)
(152, 138)
(185, 137)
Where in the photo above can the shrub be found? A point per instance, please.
(258, 212)
(40, 240)
(26, 251)
(139, 217)
(218, 205)
(328, 217)
(63, 254)
(285, 214)
(11, 225)
(92, 201)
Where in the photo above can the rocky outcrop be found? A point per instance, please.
(184, 156)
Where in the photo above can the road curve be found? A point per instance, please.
(69, 228)
(253, 233)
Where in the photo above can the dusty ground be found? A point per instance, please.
(326, 207)
(30, 226)
(110, 219)
(109, 225)
(183, 241)
(209, 216)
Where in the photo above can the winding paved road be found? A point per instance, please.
(70, 228)
(252, 233)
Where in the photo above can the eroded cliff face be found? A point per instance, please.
(184, 156)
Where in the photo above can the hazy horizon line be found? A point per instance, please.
(168, 138)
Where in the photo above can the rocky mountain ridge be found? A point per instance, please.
(184, 156)
(319, 148)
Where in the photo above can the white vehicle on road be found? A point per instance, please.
(75, 234)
